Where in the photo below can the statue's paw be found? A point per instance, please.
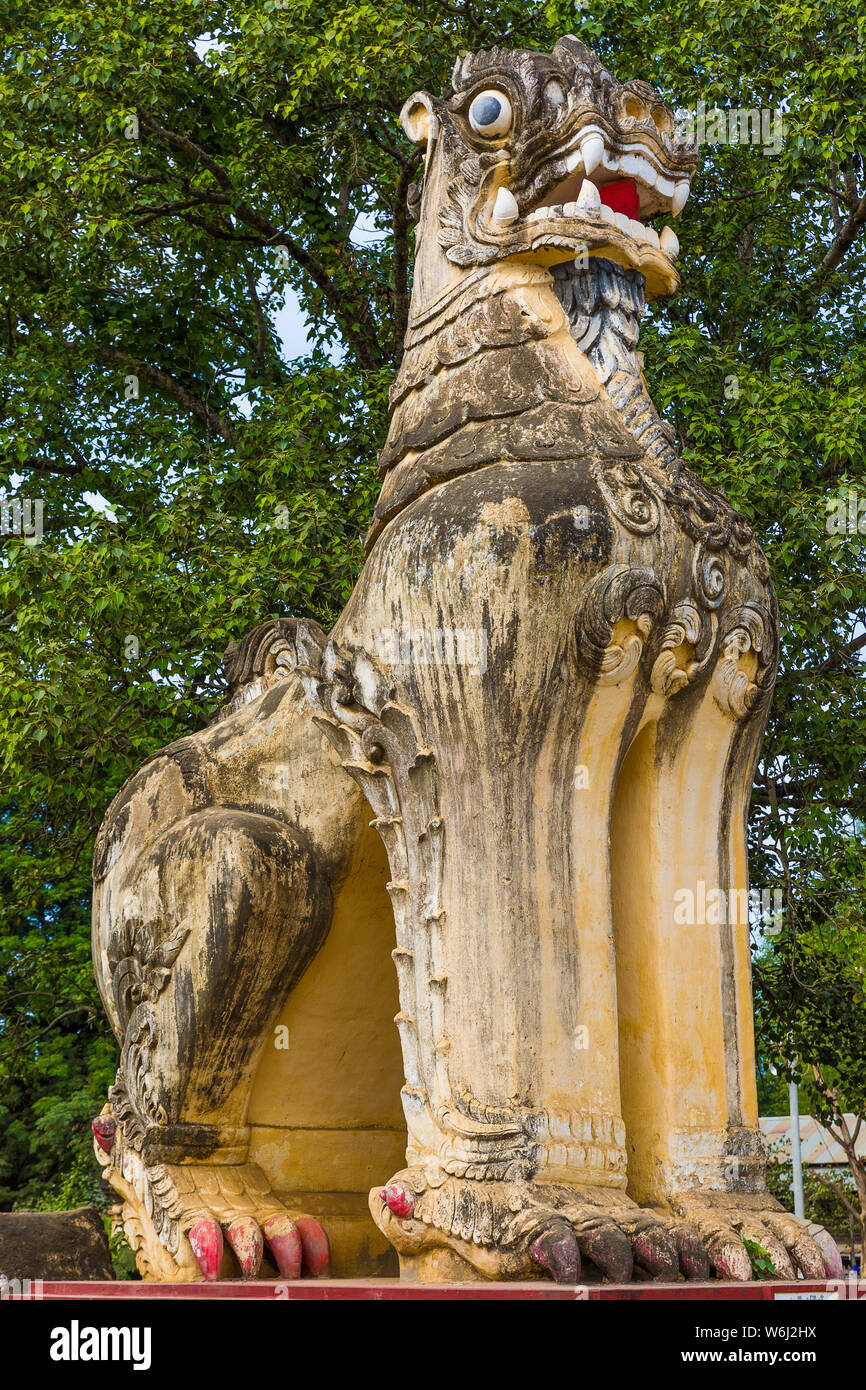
(618, 1237)
(294, 1243)
(514, 1230)
(180, 1218)
(735, 1228)
(235, 1206)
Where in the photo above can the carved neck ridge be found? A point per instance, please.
(605, 304)
(501, 365)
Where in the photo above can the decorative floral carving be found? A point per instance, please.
(139, 970)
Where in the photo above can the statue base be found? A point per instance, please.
(405, 1291)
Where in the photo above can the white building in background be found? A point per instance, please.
(820, 1149)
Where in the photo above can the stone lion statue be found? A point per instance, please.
(549, 688)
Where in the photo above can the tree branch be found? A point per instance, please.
(353, 319)
(209, 417)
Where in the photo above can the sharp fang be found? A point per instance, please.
(589, 197)
(669, 242)
(505, 208)
(573, 160)
(680, 197)
(665, 186)
(592, 150)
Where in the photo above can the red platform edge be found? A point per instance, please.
(395, 1290)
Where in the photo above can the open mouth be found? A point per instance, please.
(616, 203)
(605, 200)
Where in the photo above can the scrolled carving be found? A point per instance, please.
(633, 592)
(710, 578)
(629, 497)
(750, 628)
(686, 647)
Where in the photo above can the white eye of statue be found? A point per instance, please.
(490, 113)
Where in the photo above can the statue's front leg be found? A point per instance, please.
(682, 914)
(491, 765)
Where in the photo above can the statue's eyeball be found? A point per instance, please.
(490, 113)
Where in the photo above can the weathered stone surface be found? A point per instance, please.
(54, 1245)
(549, 685)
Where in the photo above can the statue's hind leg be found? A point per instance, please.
(207, 936)
(683, 967)
(215, 872)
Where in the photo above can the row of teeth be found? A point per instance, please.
(593, 152)
(588, 204)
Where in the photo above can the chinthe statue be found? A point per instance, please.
(550, 685)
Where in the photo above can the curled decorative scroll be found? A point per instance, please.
(686, 647)
(710, 578)
(631, 592)
(740, 685)
(629, 496)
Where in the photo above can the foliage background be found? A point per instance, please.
(240, 480)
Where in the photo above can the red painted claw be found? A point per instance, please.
(206, 1240)
(610, 1249)
(104, 1128)
(833, 1267)
(556, 1251)
(398, 1199)
(694, 1260)
(284, 1239)
(655, 1251)
(245, 1238)
(316, 1248)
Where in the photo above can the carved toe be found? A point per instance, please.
(729, 1256)
(315, 1246)
(655, 1250)
(609, 1248)
(284, 1242)
(556, 1251)
(206, 1239)
(803, 1250)
(245, 1238)
(694, 1260)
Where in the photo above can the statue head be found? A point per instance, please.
(546, 158)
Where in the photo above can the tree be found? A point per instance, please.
(168, 172)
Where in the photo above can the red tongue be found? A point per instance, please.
(622, 196)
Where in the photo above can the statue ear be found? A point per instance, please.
(419, 120)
